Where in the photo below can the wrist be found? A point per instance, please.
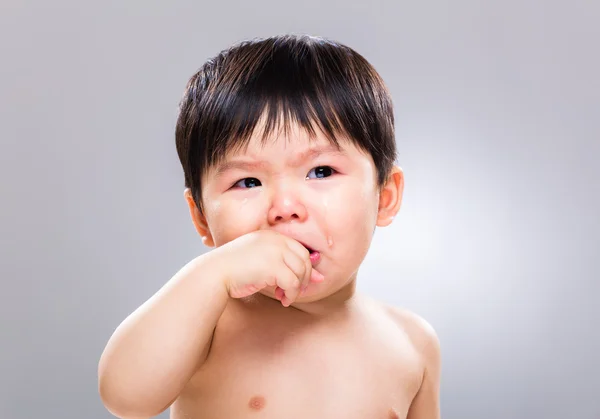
(211, 270)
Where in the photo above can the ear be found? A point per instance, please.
(390, 197)
(198, 219)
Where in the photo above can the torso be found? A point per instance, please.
(274, 362)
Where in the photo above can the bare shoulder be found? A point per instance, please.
(423, 339)
(420, 332)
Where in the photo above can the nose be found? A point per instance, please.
(286, 205)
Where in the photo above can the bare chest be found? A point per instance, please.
(299, 374)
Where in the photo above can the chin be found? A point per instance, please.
(319, 291)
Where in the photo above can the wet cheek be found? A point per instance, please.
(351, 222)
(352, 229)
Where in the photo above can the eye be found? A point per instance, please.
(247, 183)
(321, 172)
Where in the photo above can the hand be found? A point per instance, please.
(266, 258)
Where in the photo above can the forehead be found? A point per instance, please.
(290, 139)
(296, 141)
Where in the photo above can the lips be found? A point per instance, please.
(308, 248)
(315, 255)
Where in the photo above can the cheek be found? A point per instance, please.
(353, 210)
(230, 220)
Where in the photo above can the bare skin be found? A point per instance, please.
(266, 361)
(343, 356)
(268, 324)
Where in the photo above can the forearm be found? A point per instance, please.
(156, 350)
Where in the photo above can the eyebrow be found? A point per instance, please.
(311, 153)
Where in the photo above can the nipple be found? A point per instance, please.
(256, 403)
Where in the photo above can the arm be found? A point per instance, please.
(155, 351)
(426, 404)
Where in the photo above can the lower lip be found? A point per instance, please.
(315, 257)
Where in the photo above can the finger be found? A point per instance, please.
(304, 254)
(307, 274)
(301, 267)
(295, 264)
(298, 248)
(279, 293)
(290, 284)
(316, 276)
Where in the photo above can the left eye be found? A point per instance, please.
(321, 172)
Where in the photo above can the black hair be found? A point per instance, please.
(303, 79)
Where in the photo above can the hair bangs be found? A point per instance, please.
(269, 102)
(264, 87)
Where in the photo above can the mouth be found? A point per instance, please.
(315, 255)
(310, 249)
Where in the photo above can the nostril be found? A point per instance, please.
(290, 217)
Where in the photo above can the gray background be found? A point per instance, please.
(496, 244)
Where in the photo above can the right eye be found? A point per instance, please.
(247, 183)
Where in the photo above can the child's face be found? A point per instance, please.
(327, 199)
